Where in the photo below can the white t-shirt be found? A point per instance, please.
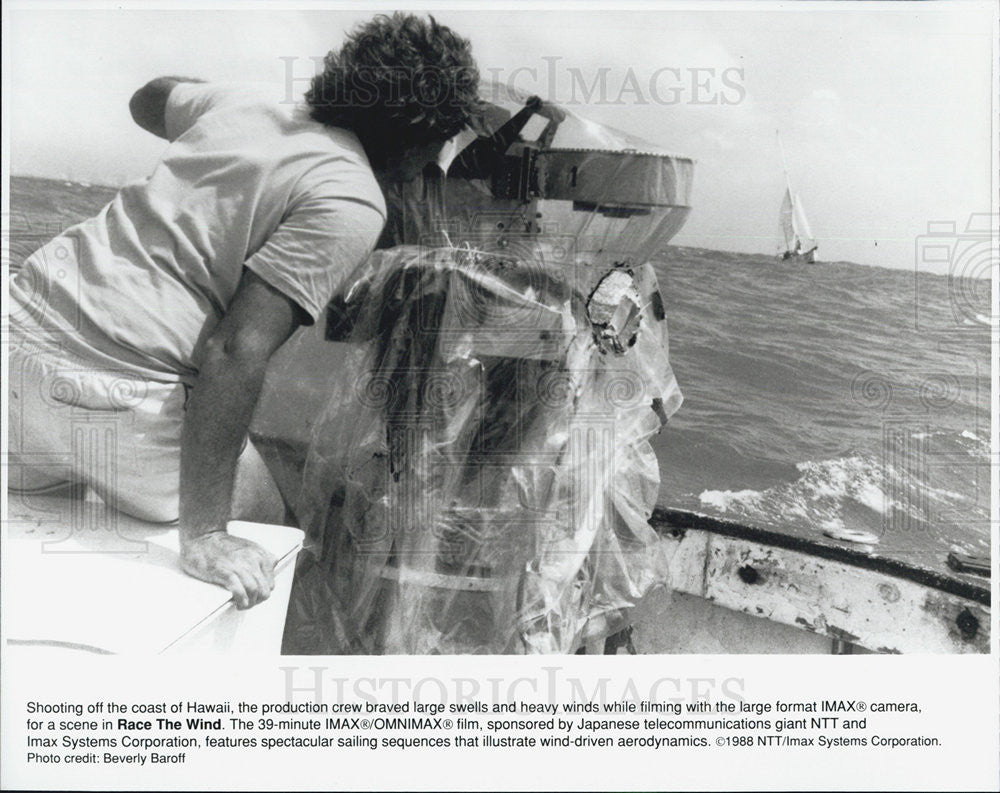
(246, 181)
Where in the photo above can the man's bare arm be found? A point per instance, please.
(259, 320)
(149, 104)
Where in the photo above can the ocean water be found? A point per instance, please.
(816, 397)
(830, 396)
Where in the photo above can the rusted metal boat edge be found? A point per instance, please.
(665, 521)
(868, 601)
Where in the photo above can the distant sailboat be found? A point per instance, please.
(800, 244)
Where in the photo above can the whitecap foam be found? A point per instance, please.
(872, 496)
(722, 500)
(840, 478)
(940, 494)
(819, 496)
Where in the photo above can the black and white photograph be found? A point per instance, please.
(556, 391)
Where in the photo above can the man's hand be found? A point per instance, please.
(241, 566)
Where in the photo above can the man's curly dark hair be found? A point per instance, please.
(398, 81)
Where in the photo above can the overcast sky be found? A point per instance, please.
(884, 111)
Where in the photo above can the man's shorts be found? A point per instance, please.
(73, 423)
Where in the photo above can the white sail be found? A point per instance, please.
(787, 222)
(800, 225)
(799, 239)
(795, 225)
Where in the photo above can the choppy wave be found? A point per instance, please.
(819, 494)
(828, 397)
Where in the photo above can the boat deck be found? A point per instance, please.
(91, 579)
